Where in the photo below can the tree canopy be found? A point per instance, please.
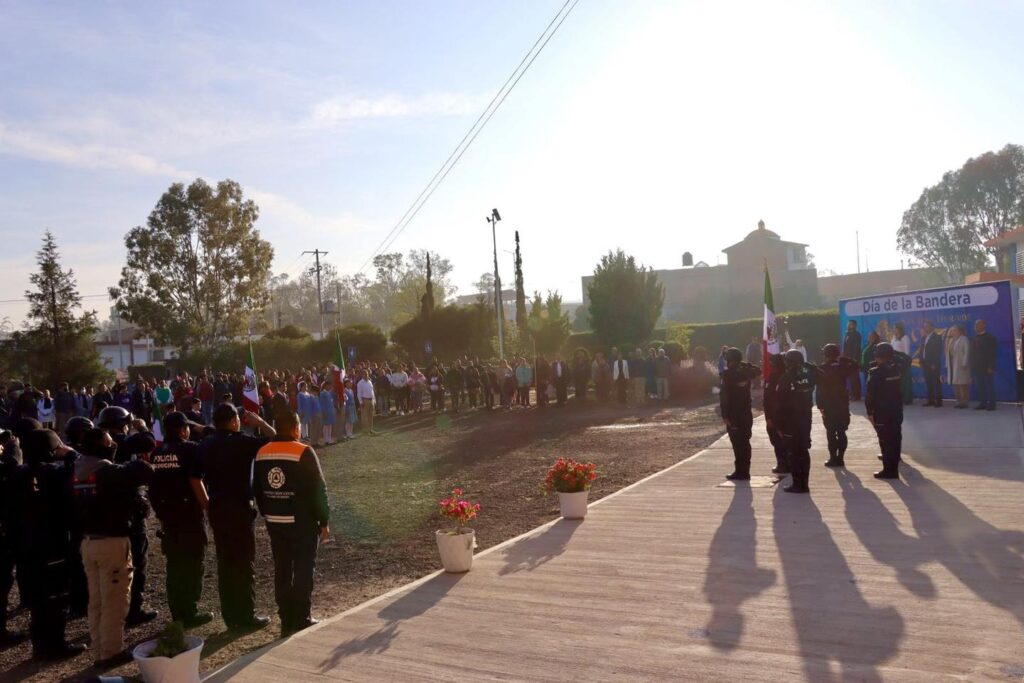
(198, 270)
(625, 300)
(948, 224)
(548, 325)
(57, 345)
(452, 331)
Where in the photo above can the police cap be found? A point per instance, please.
(174, 422)
(831, 350)
(75, 427)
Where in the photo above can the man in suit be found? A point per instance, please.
(852, 349)
(983, 365)
(930, 353)
(560, 378)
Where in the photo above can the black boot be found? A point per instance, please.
(738, 476)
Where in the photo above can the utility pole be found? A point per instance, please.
(319, 294)
(337, 301)
(499, 310)
(857, 233)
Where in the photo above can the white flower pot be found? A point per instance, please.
(456, 550)
(573, 505)
(183, 668)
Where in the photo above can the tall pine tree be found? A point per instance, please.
(521, 315)
(58, 344)
(427, 302)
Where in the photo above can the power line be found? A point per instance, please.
(475, 130)
(25, 299)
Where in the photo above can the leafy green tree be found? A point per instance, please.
(948, 224)
(288, 332)
(58, 344)
(548, 325)
(521, 316)
(625, 300)
(197, 272)
(452, 331)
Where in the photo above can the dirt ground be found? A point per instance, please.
(384, 494)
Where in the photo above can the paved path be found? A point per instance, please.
(679, 579)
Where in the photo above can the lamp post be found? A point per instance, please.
(498, 306)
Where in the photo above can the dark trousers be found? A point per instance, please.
(47, 584)
(781, 454)
(890, 441)
(437, 400)
(140, 559)
(561, 390)
(798, 443)
(294, 549)
(489, 397)
(7, 563)
(836, 424)
(581, 390)
(986, 388)
(184, 550)
(523, 396)
(739, 435)
(79, 584)
(542, 394)
(933, 384)
(456, 399)
(855, 387)
(620, 390)
(235, 540)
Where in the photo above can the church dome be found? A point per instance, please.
(762, 231)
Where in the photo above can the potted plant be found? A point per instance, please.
(571, 480)
(172, 658)
(456, 545)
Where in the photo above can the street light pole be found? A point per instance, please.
(498, 306)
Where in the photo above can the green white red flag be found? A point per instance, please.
(158, 423)
(338, 368)
(770, 336)
(250, 391)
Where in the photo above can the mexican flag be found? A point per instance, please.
(338, 369)
(158, 425)
(770, 337)
(250, 392)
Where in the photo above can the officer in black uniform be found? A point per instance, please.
(796, 399)
(134, 440)
(833, 401)
(224, 471)
(292, 497)
(10, 461)
(884, 404)
(771, 412)
(78, 605)
(182, 527)
(734, 401)
(44, 502)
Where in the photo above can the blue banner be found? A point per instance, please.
(955, 306)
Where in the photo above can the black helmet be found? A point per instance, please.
(113, 417)
(75, 427)
(776, 361)
(831, 350)
(173, 422)
(733, 355)
(884, 351)
(794, 358)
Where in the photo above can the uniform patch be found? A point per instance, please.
(275, 477)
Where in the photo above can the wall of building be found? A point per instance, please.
(832, 288)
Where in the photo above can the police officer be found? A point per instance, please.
(224, 471)
(182, 527)
(734, 401)
(133, 440)
(105, 495)
(884, 404)
(10, 461)
(292, 497)
(834, 401)
(79, 600)
(771, 413)
(796, 399)
(43, 500)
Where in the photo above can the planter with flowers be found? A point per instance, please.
(456, 545)
(571, 480)
(172, 657)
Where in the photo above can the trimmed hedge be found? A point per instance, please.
(815, 328)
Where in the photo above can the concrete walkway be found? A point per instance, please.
(678, 578)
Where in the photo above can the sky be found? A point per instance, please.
(655, 127)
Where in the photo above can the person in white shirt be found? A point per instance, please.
(47, 413)
(365, 396)
(901, 344)
(399, 389)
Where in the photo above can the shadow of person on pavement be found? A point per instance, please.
(833, 621)
(412, 603)
(880, 534)
(987, 560)
(529, 554)
(733, 576)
